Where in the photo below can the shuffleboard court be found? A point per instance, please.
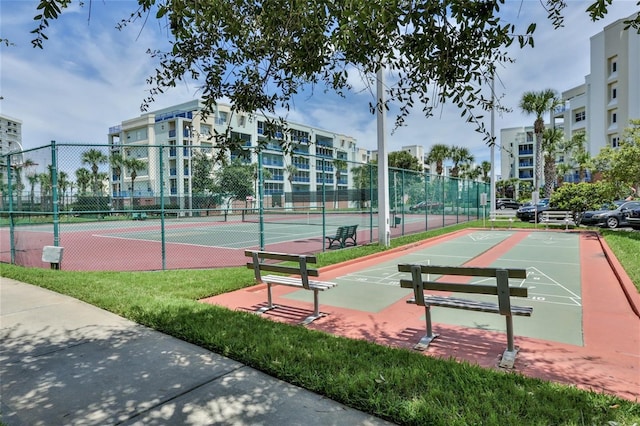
(553, 280)
(584, 330)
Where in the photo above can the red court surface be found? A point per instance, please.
(608, 361)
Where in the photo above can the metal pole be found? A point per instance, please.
(261, 200)
(54, 194)
(324, 200)
(492, 178)
(190, 175)
(384, 232)
(370, 203)
(11, 214)
(162, 230)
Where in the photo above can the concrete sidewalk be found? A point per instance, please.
(65, 362)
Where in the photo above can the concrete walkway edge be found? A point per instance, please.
(65, 362)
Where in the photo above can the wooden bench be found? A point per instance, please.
(343, 235)
(301, 280)
(502, 216)
(550, 217)
(500, 289)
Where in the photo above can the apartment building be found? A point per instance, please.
(10, 141)
(601, 107)
(610, 96)
(184, 130)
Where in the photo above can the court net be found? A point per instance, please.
(291, 216)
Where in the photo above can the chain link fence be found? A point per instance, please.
(143, 207)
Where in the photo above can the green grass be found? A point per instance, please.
(626, 245)
(396, 384)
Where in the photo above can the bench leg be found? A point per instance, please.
(509, 355)
(316, 310)
(270, 304)
(428, 338)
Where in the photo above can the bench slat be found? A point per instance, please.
(465, 288)
(463, 270)
(473, 305)
(290, 270)
(295, 282)
(281, 256)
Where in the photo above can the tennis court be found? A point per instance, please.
(195, 242)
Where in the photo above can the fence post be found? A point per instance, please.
(370, 203)
(162, 230)
(11, 215)
(261, 200)
(54, 194)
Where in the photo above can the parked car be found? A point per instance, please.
(633, 218)
(507, 203)
(592, 217)
(424, 205)
(529, 211)
(611, 218)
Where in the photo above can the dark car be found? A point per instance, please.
(529, 212)
(612, 217)
(633, 218)
(424, 205)
(592, 217)
(507, 203)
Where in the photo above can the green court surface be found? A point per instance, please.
(553, 279)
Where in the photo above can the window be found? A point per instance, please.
(615, 141)
(221, 117)
(614, 93)
(529, 136)
(614, 118)
(580, 116)
(613, 65)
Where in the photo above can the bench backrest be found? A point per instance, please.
(557, 214)
(503, 213)
(501, 288)
(342, 232)
(258, 264)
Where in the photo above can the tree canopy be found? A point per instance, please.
(259, 54)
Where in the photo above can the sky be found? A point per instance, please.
(91, 76)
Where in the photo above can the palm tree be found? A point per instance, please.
(33, 181)
(83, 178)
(94, 158)
(361, 178)
(133, 165)
(63, 185)
(485, 169)
(19, 168)
(116, 160)
(459, 155)
(45, 188)
(552, 145)
(581, 156)
(438, 154)
(538, 103)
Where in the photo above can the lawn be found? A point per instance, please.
(399, 385)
